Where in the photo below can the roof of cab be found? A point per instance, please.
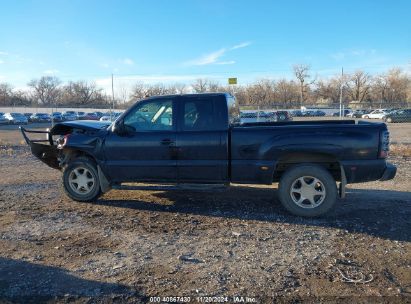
(188, 95)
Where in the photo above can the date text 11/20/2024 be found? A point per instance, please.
(203, 299)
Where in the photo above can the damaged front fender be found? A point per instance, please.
(85, 137)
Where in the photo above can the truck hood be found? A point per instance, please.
(63, 128)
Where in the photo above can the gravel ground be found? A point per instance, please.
(131, 245)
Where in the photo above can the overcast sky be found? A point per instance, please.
(178, 41)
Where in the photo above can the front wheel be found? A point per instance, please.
(307, 190)
(80, 180)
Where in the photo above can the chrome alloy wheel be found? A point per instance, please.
(307, 192)
(82, 180)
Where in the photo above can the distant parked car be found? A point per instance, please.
(398, 116)
(358, 113)
(110, 117)
(283, 116)
(99, 114)
(91, 116)
(69, 115)
(308, 113)
(81, 115)
(28, 115)
(392, 110)
(40, 117)
(16, 119)
(345, 113)
(377, 114)
(319, 113)
(245, 117)
(3, 120)
(257, 116)
(57, 117)
(296, 113)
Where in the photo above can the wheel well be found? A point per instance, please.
(70, 155)
(328, 162)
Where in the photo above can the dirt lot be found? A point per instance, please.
(131, 245)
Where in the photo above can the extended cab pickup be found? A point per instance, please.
(197, 139)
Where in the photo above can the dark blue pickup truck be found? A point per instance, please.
(197, 139)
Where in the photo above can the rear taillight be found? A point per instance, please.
(384, 144)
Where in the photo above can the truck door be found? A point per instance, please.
(146, 152)
(202, 139)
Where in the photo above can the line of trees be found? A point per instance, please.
(392, 88)
(49, 91)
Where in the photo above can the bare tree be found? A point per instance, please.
(286, 91)
(85, 91)
(391, 88)
(20, 98)
(240, 94)
(200, 85)
(122, 92)
(79, 93)
(46, 89)
(330, 90)
(6, 91)
(157, 89)
(180, 88)
(139, 91)
(263, 90)
(213, 86)
(359, 86)
(302, 73)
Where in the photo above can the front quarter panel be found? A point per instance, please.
(91, 143)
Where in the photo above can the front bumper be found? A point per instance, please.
(389, 172)
(43, 149)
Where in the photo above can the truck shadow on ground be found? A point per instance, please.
(25, 282)
(381, 213)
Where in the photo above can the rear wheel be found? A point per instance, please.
(80, 180)
(388, 119)
(307, 190)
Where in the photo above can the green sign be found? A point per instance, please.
(232, 80)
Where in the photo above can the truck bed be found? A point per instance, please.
(255, 146)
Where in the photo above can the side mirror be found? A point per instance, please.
(118, 127)
(121, 129)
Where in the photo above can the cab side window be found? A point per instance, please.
(201, 114)
(156, 115)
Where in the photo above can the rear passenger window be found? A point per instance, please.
(201, 114)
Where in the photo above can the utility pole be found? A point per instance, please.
(112, 96)
(341, 90)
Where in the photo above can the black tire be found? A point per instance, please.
(88, 169)
(326, 198)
